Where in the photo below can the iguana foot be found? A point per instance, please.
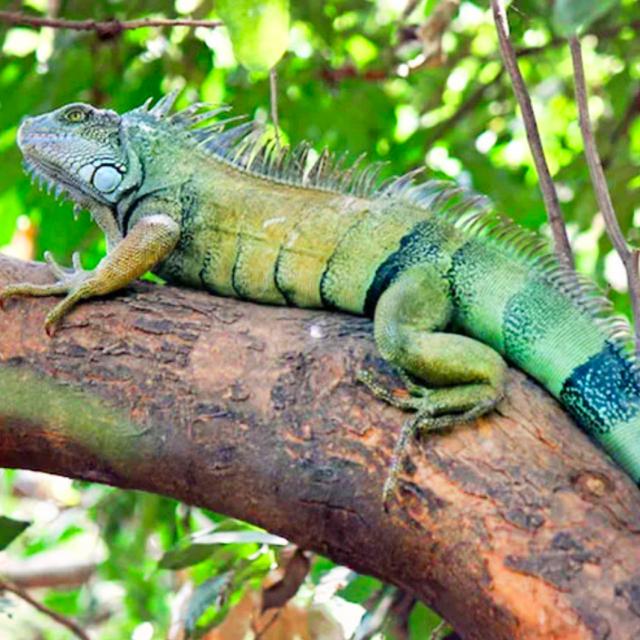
(397, 396)
(435, 409)
(75, 283)
(150, 241)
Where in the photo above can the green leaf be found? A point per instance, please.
(429, 6)
(69, 603)
(10, 529)
(182, 557)
(422, 622)
(259, 30)
(210, 593)
(242, 537)
(186, 554)
(359, 588)
(574, 16)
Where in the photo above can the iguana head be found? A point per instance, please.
(80, 150)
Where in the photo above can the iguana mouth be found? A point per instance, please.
(48, 178)
(46, 174)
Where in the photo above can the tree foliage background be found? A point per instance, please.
(351, 80)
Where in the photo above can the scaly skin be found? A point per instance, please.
(215, 208)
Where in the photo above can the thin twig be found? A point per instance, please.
(409, 8)
(409, 33)
(628, 255)
(105, 28)
(441, 629)
(273, 89)
(65, 622)
(549, 194)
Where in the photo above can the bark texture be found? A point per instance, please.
(515, 526)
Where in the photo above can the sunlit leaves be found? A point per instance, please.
(574, 16)
(199, 547)
(212, 593)
(212, 599)
(259, 30)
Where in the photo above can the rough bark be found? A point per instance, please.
(515, 526)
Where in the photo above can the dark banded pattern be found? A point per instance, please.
(326, 280)
(279, 281)
(603, 392)
(423, 244)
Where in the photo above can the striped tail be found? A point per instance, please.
(557, 328)
(603, 394)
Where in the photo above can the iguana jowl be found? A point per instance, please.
(208, 204)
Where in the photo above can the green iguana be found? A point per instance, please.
(206, 202)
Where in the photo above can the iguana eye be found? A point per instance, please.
(75, 114)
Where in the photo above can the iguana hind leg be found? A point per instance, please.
(150, 241)
(450, 378)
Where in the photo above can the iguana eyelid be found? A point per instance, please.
(76, 115)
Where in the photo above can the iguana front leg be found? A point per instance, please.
(151, 240)
(463, 377)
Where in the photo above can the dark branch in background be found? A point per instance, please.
(431, 33)
(261, 634)
(628, 255)
(105, 29)
(337, 74)
(549, 194)
(65, 622)
(409, 8)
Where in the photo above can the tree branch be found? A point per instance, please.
(29, 575)
(513, 527)
(549, 194)
(104, 29)
(628, 255)
(62, 620)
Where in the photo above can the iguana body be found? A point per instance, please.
(213, 207)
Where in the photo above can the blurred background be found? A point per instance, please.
(357, 76)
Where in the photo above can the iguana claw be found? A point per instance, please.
(72, 282)
(434, 410)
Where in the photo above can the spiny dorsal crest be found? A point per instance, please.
(246, 146)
